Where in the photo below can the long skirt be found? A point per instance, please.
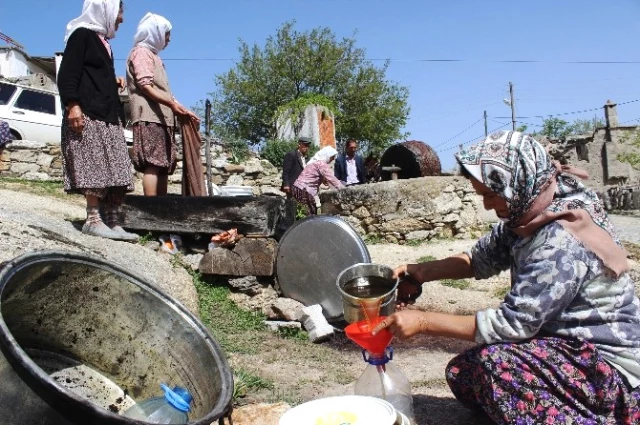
(305, 199)
(154, 145)
(543, 381)
(96, 162)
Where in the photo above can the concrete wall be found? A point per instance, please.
(14, 64)
(317, 124)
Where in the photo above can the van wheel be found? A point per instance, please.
(15, 135)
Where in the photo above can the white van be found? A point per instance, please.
(33, 113)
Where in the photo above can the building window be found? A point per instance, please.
(37, 102)
(6, 91)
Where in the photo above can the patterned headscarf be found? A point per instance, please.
(539, 190)
(97, 15)
(151, 32)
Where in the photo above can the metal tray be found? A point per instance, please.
(311, 255)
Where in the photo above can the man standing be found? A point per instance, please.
(294, 163)
(349, 168)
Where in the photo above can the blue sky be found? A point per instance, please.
(446, 98)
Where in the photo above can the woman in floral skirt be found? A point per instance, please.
(564, 345)
(94, 152)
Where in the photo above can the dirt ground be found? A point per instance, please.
(302, 371)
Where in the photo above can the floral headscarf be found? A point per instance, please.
(539, 190)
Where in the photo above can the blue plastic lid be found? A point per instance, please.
(378, 360)
(178, 397)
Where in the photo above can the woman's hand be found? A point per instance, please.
(75, 118)
(122, 83)
(404, 324)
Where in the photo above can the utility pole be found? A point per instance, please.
(486, 130)
(207, 148)
(513, 107)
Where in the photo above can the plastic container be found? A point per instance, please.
(383, 380)
(172, 408)
(351, 409)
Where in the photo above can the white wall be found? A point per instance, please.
(14, 64)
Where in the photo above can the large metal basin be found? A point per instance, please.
(81, 339)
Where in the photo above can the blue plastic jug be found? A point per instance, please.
(173, 408)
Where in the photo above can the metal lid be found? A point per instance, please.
(311, 255)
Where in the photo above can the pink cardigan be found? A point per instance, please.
(312, 176)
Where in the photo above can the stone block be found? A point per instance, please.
(315, 323)
(235, 180)
(36, 176)
(26, 144)
(419, 235)
(287, 308)
(270, 190)
(45, 160)
(5, 165)
(246, 284)
(250, 257)
(54, 150)
(21, 168)
(276, 325)
(253, 167)
(361, 213)
(233, 169)
(24, 156)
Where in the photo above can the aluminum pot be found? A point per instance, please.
(81, 338)
(357, 276)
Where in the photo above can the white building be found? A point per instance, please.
(15, 63)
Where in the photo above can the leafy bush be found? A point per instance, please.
(275, 150)
(238, 149)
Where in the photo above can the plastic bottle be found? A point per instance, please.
(383, 380)
(172, 408)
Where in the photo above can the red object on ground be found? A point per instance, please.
(360, 333)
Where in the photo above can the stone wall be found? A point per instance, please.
(408, 210)
(41, 161)
(31, 160)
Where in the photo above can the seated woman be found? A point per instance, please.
(316, 172)
(564, 345)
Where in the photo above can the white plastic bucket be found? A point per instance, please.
(349, 410)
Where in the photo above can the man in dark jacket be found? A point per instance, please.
(294, 163)
(349, 168)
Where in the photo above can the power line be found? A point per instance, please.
(443, 60)
(573, 112)
(463, 131)
(477, 138)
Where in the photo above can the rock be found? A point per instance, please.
(250, 257)
(22, 168)
(37, 176)
(235, 180)
(276, 325)
(24, 156)
(263, 414)
(193, 260)
(267, 167)
(26, 144)
(262, 301)
(287, 309)
(449, 189)
(253, 167)
(247, 285)
(361, 213)
(270, 190)
(45, 160)
(234, 169)
(219, 163)
(419, 235)
(451, 218)
(31, 223)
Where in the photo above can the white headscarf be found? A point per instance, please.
(324, 155)
(97, 15)
(151, 32)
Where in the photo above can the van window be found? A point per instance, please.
(37, 102)
(6, 91)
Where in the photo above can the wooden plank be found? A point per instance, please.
(269, 216)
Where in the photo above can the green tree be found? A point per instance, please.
(559, 128)
(309, 65)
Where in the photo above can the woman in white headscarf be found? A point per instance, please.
(94, 152)
(314, 174)
(152, 105)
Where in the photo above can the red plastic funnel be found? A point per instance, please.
(360, 333)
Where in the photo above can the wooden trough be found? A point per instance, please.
(259, 216)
